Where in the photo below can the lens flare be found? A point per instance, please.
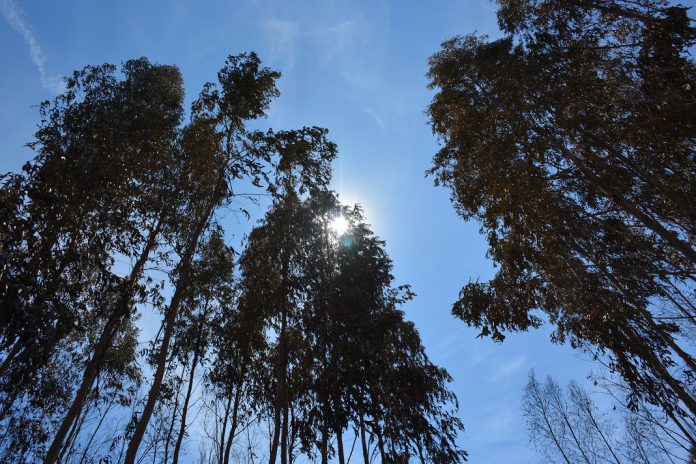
(339, 225)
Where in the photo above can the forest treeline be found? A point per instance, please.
(285, 350)
(571, 140)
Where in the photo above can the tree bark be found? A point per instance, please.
(233, 427)
(284, 432)
(363, 442)
(324, 443)
(69, 442)
(170, 431)
(223, 432)
(10, 356)
(184, 410)
(196, 355)
(281, 385)
(674, 384)
(339, 445)
(380, 444)
(648, 321)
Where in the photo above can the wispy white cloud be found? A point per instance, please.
(336, 38)
(378, 119)
(507, 368)
(500, 423)
(283, 35)
(449, 345)
(13, 15)
(328, 42)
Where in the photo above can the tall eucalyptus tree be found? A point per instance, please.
(342, 351)
(91, 193)
(571, 140)
(219, 151)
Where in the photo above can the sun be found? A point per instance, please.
(339, 225)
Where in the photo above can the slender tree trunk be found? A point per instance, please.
(293, 438)
(563, 414)
(7, 405)
(184, 410)
(233, 427)
(648, 323)
(223, 432)
(686, 299)
(549, 427)
(669, 340)
(339, 444)
(94, 433)
(680, 426)
(77, 426)
(175, 303)
(380, 444)
(686, 314)
(94, 365)
(660, 371)
(196, 355)
(657, 367)
(596, 426)
(324, 442)
(352, 447)
(281, 385)
(363, 441)
(170, 431)
(280, 388)
(677, 199)
(276, 430)
(284, 432)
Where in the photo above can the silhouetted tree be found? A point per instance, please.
(275, 263)
(341, 352)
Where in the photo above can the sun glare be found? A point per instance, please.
(339, 225)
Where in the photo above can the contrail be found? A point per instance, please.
(13, 15)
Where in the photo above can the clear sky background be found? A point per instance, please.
(357, 68)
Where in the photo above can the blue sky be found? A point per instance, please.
(357, 68)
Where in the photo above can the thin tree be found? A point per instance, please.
(565, 424)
